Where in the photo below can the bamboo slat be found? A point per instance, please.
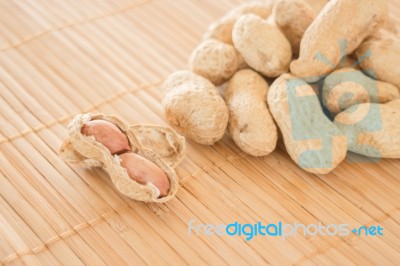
(61, 58)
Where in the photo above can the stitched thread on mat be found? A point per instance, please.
(69, 117)
(65, 235)
(103, 217)
(118, 211)
(348, 240)
(123, 209)
(209, 167)
(83, 21)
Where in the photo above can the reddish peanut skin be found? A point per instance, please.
(144, 171)
(107, 134)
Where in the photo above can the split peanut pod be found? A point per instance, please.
(140, 159)
(168, 144)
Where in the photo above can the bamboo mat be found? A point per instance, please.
(60, 58)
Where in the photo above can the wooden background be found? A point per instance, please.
(59, 58)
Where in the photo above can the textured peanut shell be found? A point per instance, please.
(348, 61)
(293, 18)
(70, 155)
(193, 106)
(250, 122)
(86, 151)
(390, 26)
(347, 87)
(372, 129)
(222, 29)
(262, 45)
(316, 5)
(380, 57)
(341, 21)
(164, 141)
(313, 123)
(215, 60)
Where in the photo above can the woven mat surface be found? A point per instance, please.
(60, 58)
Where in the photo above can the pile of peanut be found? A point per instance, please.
(140, 159)
(334, 72)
